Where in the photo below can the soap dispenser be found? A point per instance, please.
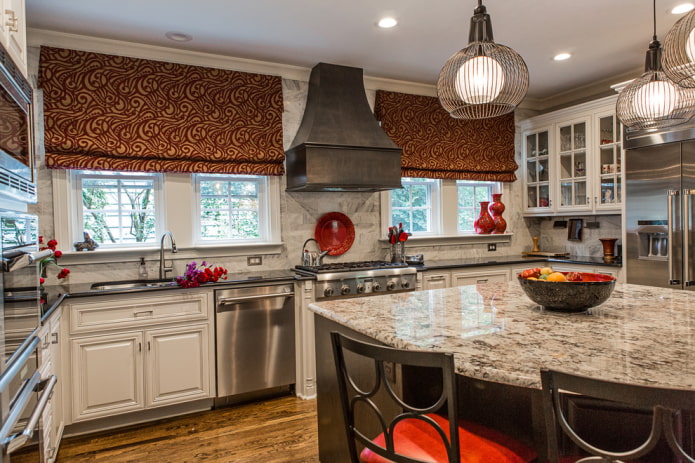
(142, 271)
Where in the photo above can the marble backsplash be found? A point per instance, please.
(301, 210)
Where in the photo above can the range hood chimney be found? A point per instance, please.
(339, 145)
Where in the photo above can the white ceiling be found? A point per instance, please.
(608, 38)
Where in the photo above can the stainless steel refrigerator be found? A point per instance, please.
(659, 202)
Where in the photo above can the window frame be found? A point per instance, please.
(493, 187)
(76, 222)
(434, 190)
(445, 218)
(264, 209)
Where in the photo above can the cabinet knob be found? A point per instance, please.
(12, 21)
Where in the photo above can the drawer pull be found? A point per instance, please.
(144, 312)
(55, 338)
(482, 281)
(139, 347)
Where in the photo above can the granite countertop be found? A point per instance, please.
(511, 260)
(642, 334)
(56, 294)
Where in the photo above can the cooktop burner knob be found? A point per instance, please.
(345, 290)
(390, 286)
(360, 289)
(328, 292)
(405, 284)
(376, 286)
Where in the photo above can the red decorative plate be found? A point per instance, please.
(335, 232)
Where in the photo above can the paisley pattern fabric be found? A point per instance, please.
(107, 112)
(435, 145)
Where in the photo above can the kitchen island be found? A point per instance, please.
(500, 339)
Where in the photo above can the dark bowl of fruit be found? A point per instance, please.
(566, 291)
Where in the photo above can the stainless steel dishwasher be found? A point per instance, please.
(255, 338)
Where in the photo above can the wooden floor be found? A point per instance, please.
(277, 430)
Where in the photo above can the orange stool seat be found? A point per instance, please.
(478, 444)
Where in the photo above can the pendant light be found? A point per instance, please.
(679, 51)
(653, 101)
(485, 79)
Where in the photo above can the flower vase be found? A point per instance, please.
(608, 248)
(484, 224)
(496, 208)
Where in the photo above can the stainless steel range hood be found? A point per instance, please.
(339, 145)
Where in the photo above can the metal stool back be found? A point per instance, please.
(351, 395)
(666, 404)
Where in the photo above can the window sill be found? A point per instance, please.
(453, 240)
(151, 253)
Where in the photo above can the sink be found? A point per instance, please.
(132, 284)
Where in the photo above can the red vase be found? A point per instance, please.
(484, 224)
(496, 209)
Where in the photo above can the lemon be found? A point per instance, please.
(546, 271)
(543, 277)
(556, 276)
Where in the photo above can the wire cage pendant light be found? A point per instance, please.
(679, 51)
(653, 100)
(485, 79)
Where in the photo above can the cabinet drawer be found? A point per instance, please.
(479, 278)
(129, 311)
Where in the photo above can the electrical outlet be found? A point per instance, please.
(492, 246)
(254, 260)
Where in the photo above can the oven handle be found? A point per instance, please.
(20, 439)
(23, 395)
(17, 361)
(10, 264)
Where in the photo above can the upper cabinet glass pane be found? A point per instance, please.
(580, 136)
(543, 143)
(531, 147)
(606, 130)
(565, 138)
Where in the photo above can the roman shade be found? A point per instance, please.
(435, 145)
(107, 112)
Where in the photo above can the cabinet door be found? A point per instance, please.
(574, 188)
(106, 373)
(16, 33)
(536, 172)
(608, 195)
(436, 280)
(178, 369)
(500, 275)
(58, 421)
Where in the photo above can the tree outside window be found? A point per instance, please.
(412, 205)
(118, 208)
(470, 194)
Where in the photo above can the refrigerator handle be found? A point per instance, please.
(687, 228)
(671, 253)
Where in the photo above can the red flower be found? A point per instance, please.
(63, 273)
(42, 280)
(57, 253)
(52, 244)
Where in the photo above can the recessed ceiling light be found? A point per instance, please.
(178, 36)
(682, 8)
(562, 56)
(387, 23)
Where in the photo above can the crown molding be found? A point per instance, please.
(39, 37)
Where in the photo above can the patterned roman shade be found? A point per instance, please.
(435, 145)
(107, 112)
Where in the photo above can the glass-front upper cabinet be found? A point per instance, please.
(537, 170)
(573, 165)
(608, 194)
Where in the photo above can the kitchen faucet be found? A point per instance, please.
(163, 269)
(318, 259)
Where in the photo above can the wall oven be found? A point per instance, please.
(23, 392)
(17, 172)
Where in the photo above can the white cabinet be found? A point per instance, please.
(50, 364)
(13, 32)
(138, 352)
(581, 173)
(436, 279)
(479, 276)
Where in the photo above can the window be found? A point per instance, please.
(413, 205)
(469, 195)
(117, 209)
(232, 207)
(437, 208)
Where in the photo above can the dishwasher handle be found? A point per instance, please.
(251, 298)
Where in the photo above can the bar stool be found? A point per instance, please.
(413, 434)
(665, 404)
